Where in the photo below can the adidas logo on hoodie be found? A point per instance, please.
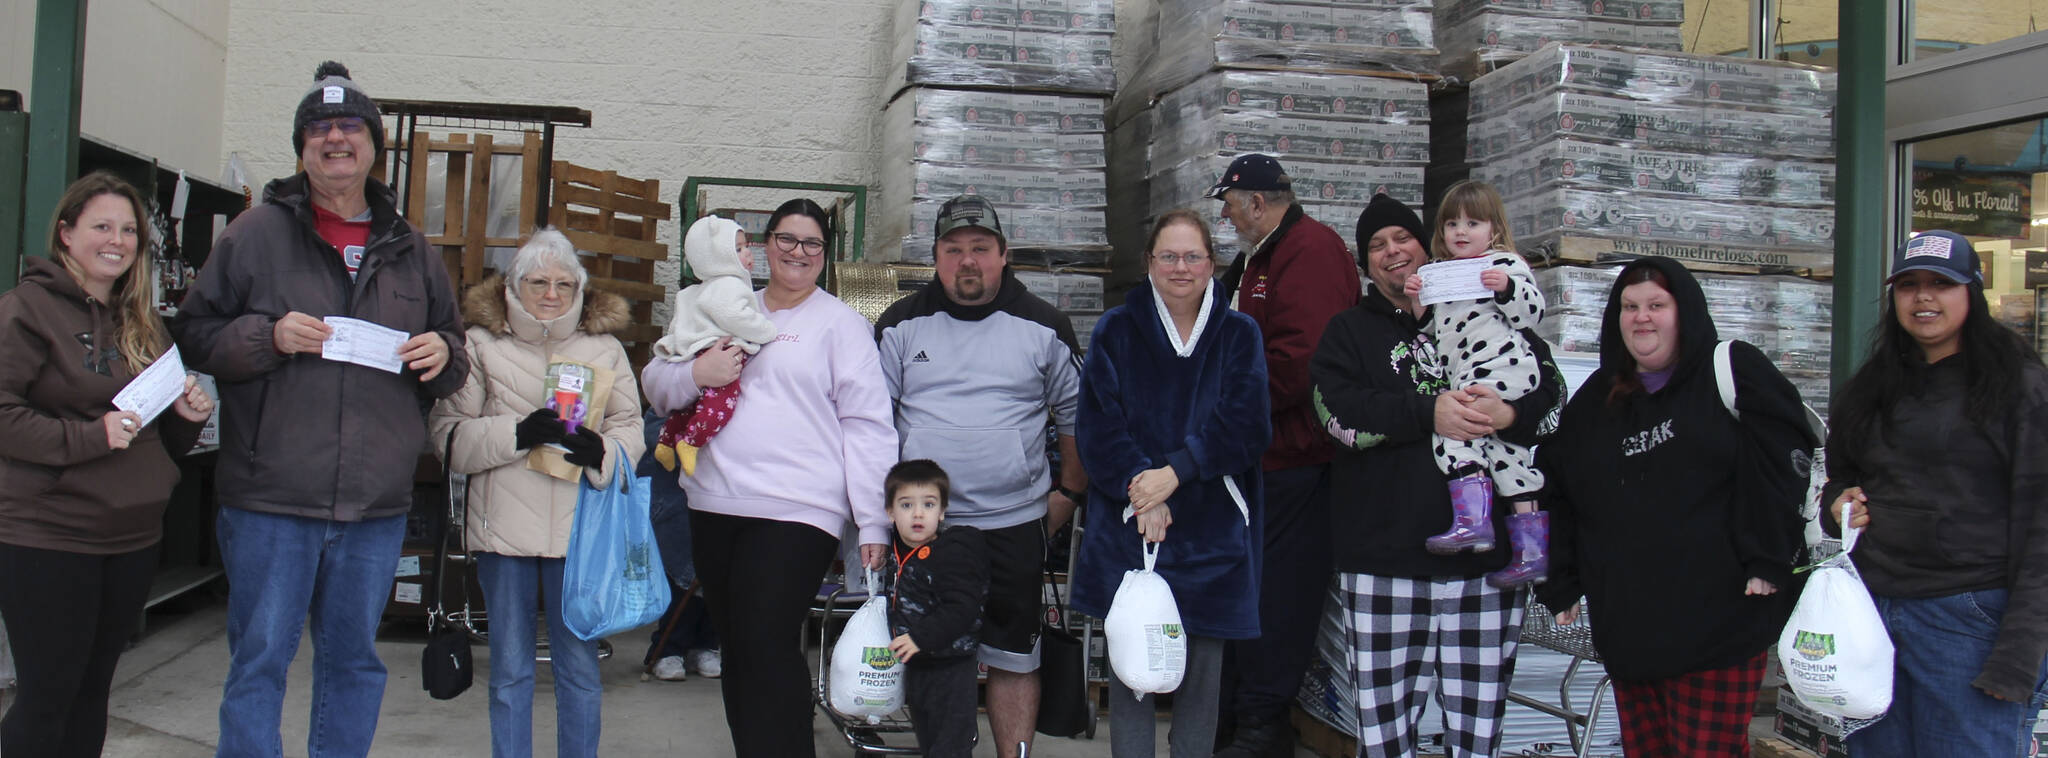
(920, 357)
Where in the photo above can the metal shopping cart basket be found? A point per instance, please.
(1539, 628)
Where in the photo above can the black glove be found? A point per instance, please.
(538, 428)
(586, 448)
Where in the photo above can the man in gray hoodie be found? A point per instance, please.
(977, 366)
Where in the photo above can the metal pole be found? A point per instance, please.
(58, 78)
(1862, 236)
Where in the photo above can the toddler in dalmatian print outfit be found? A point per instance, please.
(1480, 343)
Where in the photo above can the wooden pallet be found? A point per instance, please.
(613, 218)
(462, 237)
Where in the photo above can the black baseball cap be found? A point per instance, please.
(1940, 251)
(965, 211)
(1254, 172)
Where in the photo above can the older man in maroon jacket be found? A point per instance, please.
(1293, 276)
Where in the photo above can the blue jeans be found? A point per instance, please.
(1942, 643)
(668, 507)
(280, 570)
(510, 584)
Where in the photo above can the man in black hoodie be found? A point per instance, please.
(1381, 392)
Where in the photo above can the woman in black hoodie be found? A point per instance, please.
(1676, 520)
(1938, 442)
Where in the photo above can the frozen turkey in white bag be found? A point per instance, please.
(1148, 648)
(866, 679)
(1835, 651)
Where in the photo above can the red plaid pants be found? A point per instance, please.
(1704, 714)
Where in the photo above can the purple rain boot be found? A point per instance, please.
(1529, 533)
(1471, 517)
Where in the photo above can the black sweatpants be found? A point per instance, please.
(68, 617)
(759, 576)
(1292, 584)
(940, 693)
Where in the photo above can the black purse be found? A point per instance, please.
(445, 665)
(1063, 707)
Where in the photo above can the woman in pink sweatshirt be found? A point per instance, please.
(803, 456)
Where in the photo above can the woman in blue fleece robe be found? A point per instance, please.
(1172, 421)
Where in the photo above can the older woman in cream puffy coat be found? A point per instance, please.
(519, 518)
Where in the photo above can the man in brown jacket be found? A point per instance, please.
(317, 453)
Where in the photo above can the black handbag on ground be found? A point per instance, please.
(445, 665)
(1063, 707)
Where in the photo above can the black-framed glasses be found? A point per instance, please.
(349, 125)
(787, 242)
(1169, 259)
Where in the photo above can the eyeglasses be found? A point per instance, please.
(349, 125)
(534, 286)
(1170, 259)
(788, 242)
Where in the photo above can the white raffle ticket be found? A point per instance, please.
(363, 343)
(1447, 281)
(153, 390)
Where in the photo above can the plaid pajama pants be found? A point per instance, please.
(1405, 633)
(1704, 714)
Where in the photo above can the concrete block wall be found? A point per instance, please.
(769, 89)
(785, 90)
(154, 75)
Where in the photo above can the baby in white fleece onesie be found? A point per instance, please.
(721, 305)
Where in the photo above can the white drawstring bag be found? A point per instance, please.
(1835, 651)
(866, 680)
(1148, 648)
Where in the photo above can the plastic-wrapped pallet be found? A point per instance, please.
(1038, 157)
(1604, 151)
(1327, 692)
(1053, 44)
(1319, 35)
(1340, 138)
(1478, 35)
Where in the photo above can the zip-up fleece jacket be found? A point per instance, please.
(1957, 506)
(1376, 380)
(61, 487)
(973, 386)
(1664, 506)
(1292, 286)
(937, 593)
(513, 509)
(301, 435)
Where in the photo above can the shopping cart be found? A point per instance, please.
(1540, 628)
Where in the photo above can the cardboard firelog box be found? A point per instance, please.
(576, 391)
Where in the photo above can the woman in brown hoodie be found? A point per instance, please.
(82, 485)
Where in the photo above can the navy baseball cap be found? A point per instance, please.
(1940, 251)
(1254, 172)
(965, 211)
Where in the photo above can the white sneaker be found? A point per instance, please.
(670, 669)
(707, 662)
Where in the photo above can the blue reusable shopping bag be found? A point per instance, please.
(612, 580)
